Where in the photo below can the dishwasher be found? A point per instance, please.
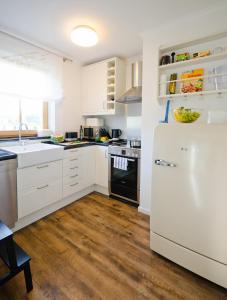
(8, 188)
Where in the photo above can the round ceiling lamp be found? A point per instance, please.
(84, 36)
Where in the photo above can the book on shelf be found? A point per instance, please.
(191, 84)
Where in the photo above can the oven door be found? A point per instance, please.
(124, 183)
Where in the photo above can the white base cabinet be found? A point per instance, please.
(101, 166)
(78, 169)
(38, 186)
(41, 185)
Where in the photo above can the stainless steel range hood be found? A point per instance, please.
(134, 94)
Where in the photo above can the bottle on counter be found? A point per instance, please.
(173, 84)
(81, 132)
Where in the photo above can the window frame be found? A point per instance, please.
(4, 134)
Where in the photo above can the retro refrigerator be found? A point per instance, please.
(189, 197)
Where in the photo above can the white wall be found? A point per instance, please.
(182, 30)
(130, 121)
(68, 113)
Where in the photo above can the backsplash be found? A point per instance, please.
(129, 123)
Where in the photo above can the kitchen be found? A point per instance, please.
(82, 172)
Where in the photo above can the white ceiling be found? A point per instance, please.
(119, 23)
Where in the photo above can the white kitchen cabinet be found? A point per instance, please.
(72, 172)
(94, 88)
(38, 186)
(102, 84)
(89, 165)
(101, 166)
(78, 169)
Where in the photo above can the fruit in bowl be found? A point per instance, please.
(57, 138)
(186, 115)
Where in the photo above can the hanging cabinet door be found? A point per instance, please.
(94, 88)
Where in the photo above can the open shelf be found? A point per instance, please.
(185, 95)
(111, 94)
(191, 78)
(194, 61)
(111, 77)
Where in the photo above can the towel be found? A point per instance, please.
(120, 163)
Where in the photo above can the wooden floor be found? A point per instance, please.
(98, 248)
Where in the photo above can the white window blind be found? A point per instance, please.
(29, 72)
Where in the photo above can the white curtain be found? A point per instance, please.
(29, 72)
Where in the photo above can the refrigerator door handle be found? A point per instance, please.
(164, 163)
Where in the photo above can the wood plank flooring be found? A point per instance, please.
(97, 248)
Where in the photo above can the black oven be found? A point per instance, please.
(125, 183)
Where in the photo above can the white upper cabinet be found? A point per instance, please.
(94, 88)
(102, 84)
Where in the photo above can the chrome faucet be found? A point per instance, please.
(19, 131)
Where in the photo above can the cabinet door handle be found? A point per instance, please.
(73, 168)
(74, 159)
(74, 184)
(42, 187)
(42, 167)
(73, 151)
(74, 176)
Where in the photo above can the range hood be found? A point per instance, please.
(134, 94)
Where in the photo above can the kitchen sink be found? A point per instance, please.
(33, 154)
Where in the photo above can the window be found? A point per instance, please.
(28, 76)
(14, 111)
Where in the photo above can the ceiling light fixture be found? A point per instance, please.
(84, 36)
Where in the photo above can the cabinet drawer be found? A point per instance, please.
(38, 175)
(71, 153)
(71, 162)
(72, 170)
(71, 186)
(38, 197)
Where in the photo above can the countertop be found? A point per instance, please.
(5, 155)
(87, 144)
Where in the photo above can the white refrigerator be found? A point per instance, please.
(189, 198)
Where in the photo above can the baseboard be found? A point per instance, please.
(101, 189)
(51, 208)
(143, 211)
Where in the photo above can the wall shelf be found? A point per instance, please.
(185, 95)
(197, 77)
(195, 61)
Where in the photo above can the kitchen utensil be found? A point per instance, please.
(166, 120)
(71, 135)
(135, 143)
(116, 133)
(165, 60)
(186, 115)
(173, 84)
(57, 138)
(173, 57)
(88, 132)
(182, 56)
